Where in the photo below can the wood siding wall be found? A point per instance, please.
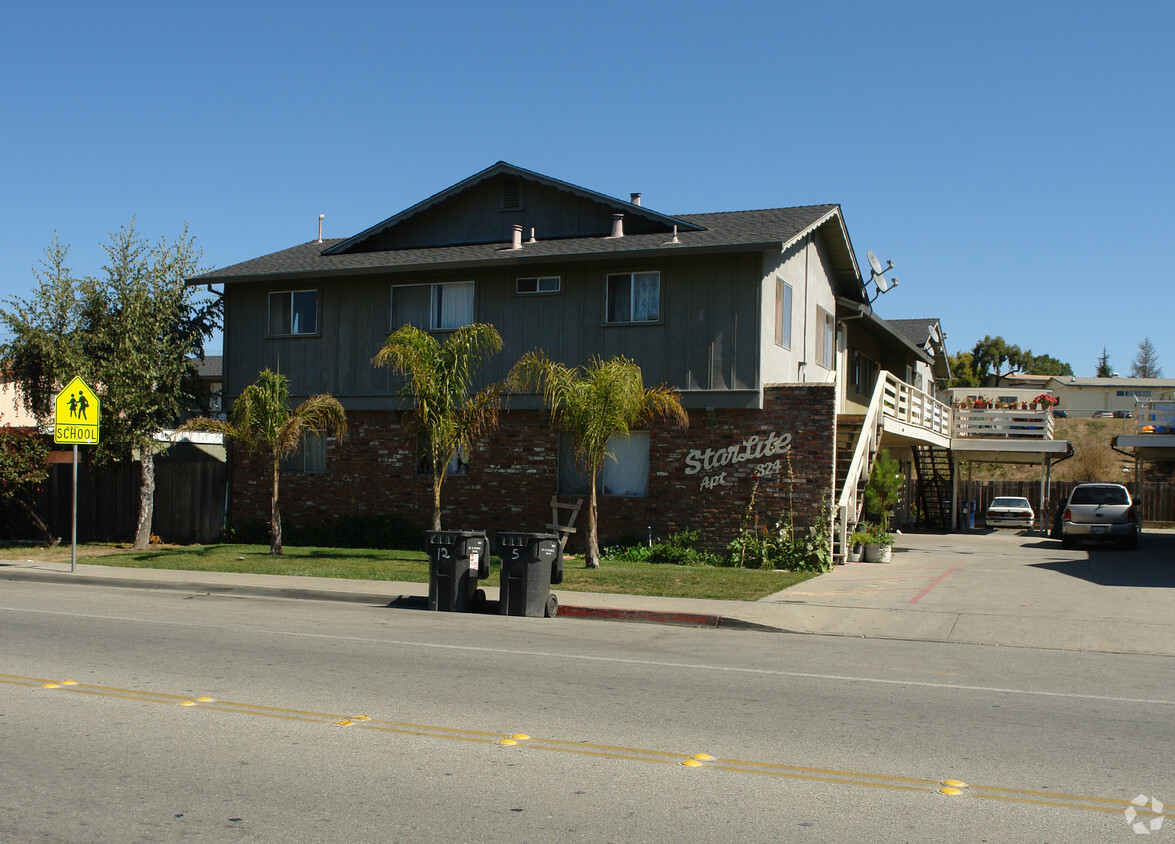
(707, 338)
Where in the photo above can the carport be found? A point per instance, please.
(1027, 451)
(1143, 449)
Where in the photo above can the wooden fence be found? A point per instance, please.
(190, 499)
(1156, 501)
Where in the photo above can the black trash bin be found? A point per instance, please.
(531, 562)
(457, 559)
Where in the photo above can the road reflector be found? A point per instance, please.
(346, 722)
(520, 736)
(206, 699)
(51, 686)
(507, 742)
(69, 682)
(703, 757)
(188, 703)
(955, 783)
(691, 763)
(951, 791)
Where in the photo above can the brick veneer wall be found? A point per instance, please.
(700, 479)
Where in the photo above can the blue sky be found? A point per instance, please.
(1014, 160)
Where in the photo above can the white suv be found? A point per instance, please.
(1100, 512)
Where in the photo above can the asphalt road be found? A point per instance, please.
(130, 715)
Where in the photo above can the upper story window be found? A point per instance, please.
(539, 284)
(634, 297)
(293, 312)
(826, 345)
(783, 298)
(433, 307)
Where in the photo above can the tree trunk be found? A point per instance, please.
(592, 557)
(437, 481)
(275, 516)
(146, 499)
(35, 517)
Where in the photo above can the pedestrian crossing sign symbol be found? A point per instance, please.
(76, 415)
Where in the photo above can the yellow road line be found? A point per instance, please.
(664, 757)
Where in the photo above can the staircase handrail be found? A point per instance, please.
(866, 444)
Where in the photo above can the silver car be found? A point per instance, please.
(1100, 512)
(1008, 511)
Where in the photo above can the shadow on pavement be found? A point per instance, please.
(1153, 564)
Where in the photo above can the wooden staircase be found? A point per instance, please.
(935, 475)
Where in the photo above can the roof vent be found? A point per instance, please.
(636, 199)
(321, 217)
(517, 241)
(617, 225)
(512, 194)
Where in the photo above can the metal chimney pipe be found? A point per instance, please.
(636, 199)
(517, 242)
(321, 217)
(617, 225)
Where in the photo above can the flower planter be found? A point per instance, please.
(855, 552)
(877, 553)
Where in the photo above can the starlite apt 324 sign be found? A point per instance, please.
(76, 415)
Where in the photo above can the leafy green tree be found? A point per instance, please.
(591, 404)
(446, 415)
(1104, 370)
(261, 420)
(1146, 362)
(23, 462)
(1048, 365)
(992, 354)
(963, 373)
(132, 333)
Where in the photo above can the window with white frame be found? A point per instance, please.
(539, 284)
(826, 348)
(310, 458)
(783, 298)
(625, 472)
(634, 297)
(293, 312)
(433, 307)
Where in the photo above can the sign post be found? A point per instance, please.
(75, 422)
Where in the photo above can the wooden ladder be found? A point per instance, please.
(564, 530)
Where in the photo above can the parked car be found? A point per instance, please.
(1061, 414)
(1010, 512)
(1101, 513)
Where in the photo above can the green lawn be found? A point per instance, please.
(614, 576)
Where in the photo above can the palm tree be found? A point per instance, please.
(591, 404)
(444, 416)
(261, 420)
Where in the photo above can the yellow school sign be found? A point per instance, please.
(76, 415)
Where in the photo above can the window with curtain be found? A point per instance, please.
(827, 347)
(310, 458)
(633, 297)
(293, 312)
(432, 307)
(783, 297)
(625, 473)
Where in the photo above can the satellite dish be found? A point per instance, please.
(882, 282)
(873, 262)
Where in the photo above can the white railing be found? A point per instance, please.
(857, 475)
(1001, 423)
(1155, 417)
(911, 406)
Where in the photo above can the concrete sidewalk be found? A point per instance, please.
(1001, 588)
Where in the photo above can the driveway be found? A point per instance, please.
(1002, 587)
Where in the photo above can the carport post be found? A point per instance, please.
(1045, 477)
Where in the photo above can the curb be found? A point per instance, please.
(417, 602)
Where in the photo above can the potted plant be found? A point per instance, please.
(879, 547)
(857, 543)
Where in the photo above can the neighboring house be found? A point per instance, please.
(927, 335)
(13, 413)
(760, 319)
(1087, 396)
